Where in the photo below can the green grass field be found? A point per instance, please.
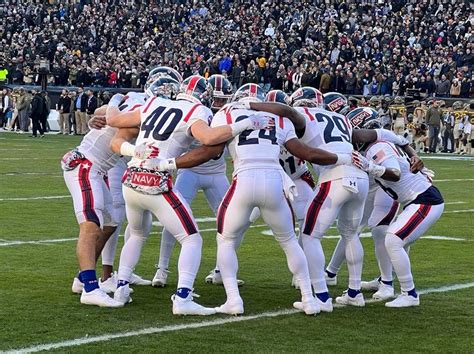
(37, 307)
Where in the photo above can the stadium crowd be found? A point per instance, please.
(368, 48)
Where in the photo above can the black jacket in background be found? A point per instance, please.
(64, 104)
(91, 104)
(37, 107)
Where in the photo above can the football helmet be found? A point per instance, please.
(457, 105)
(277, 96)
(164, 87)
(249, 92)
(194, 89)
(335, 102)
(221, 91)
(375, 101)
(307, 97)
(364, 118)
(165, 71)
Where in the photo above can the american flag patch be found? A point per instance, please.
(379, 156)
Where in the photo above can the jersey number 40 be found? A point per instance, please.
(162, 122)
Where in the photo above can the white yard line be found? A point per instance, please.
(453, 203)
(29, 158)
(458, 211)
(448, 157)
(31, 174)
(453, 180)
(35, 198)
(201, 324)
(6, 243)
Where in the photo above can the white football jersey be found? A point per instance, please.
(332, 132)
(211, 167)
(292, 165)
(410, 184)
(253, 149)
(167, 124)
(95, 145)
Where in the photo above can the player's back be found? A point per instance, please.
(96, 144)
(167, 123)
(332, 132)
(255, 149)
(410, 184)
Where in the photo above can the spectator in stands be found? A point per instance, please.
(433, 120)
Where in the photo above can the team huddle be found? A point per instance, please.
(123, 169)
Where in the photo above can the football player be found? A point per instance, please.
(167, 129)
(335, 102)
(210, 177)
(85, 171)
(341, 192)
(422, 206)
(379, 211)
(260, 182)
(297, 170)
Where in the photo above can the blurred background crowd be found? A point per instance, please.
(405, 48)
(353, 47)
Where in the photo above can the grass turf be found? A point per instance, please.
(37, 306)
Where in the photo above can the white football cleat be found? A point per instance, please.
(372, 285)
(160, 278)
(310, 307)
(215, 278)
(295, 283)
(404, 300)
(98, 297)
(385, 292)
(109, 285)
(330, 281)
(138, 280)
(325, 306)
(234, 307)
(345, 299)
(188, 307)
(77, 286)
(122, 294)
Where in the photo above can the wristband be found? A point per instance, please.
(168, 165)
(127, 149)
(376, 170)
(344, 159)
(241, 126)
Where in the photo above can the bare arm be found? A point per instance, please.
(307, 153)
(199, 155)
(391, 174)
(124, 135)
(118, 119)
(283, 110)
(416, 163)
(364, 136)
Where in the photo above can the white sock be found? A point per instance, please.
(108, 252)
(354, 259)
(338, 257)
(298, 266)
(189, 260)
(130, 254)
(383, 259)
(228, 265)
(400, 261)
(166, 249)
(315, 256)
